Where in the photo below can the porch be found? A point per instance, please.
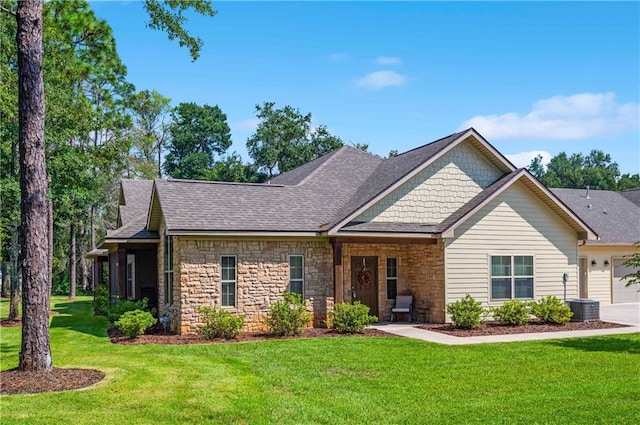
(375, 270)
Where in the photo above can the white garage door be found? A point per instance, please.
(622, 294)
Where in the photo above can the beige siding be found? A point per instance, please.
(436, 192)
(516, 222)
(600, 277)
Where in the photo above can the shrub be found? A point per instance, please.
(551, 309)
(350, 318)
(134, 323)
(122, 306)
(219, 323)
(288, 317)
(512, 313)
(101, 300)
(465, 313)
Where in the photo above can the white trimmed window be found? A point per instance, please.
(168, 270)
(228, 264)
(296, 274)
(131, 276)
(392, 278)
(511, 277)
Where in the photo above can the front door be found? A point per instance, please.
(583, 271)
(364, 282)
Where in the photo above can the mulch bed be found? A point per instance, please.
(17, 382)
(156, 336)
(487, 329)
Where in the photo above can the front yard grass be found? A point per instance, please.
(328, 380)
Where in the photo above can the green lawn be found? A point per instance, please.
(330, 381)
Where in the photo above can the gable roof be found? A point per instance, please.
(393, 172)
(448, 226)
(612, 215)
(303, 201)
(134, 199)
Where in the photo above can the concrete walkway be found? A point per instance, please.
(628, 314)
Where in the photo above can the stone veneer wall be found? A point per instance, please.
(436, 192)
(263, 275)
(420, 272)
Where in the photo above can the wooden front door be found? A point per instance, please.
(364, 282)
(583, 275)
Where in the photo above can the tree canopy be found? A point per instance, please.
(596, 170)
(285, 139)
(198, 134)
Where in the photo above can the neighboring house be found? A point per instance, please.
(615, 216)
(442, 220)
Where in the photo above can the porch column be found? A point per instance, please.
(338, 278)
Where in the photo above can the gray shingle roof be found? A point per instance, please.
(391, 170)
(615, 218)
(318, 193)
(135, 198)
(633, 195)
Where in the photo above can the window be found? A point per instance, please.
(296, 274)
(131, 276)
(511, 276)
(168, 270)
(229, 282)
(392, 278)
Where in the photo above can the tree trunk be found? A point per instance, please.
(72, 262)
(3, 270)
(50, 223)
(35, 352)
(82, 262)
(13, 285)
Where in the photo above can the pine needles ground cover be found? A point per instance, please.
(328, 380)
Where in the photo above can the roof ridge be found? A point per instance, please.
(334, 154)
(430, 143)
(220, 183)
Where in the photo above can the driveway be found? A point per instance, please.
(627, 313)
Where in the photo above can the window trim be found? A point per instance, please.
(302, 279)
(168, 269)
(130, 276)
(512, 277)
(391, 278)
(235, 282)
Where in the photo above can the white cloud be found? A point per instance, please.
(248, 125)
(339, 57)
(388, 60)
(523, 159)
(580, 116)
(381, 79)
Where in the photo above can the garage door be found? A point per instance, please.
(622, 294)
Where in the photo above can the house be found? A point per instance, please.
(439, 221)
(615, 216)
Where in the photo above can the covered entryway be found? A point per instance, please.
(620, 293)
(364, 282)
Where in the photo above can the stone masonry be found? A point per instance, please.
(420, 273)
(262, 277)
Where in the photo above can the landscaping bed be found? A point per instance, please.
(156, 335)
(15, 381)
(487, 329)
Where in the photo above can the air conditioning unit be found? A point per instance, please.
(584, 310)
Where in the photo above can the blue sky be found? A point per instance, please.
(531, 77)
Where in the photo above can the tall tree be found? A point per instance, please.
(231, 168)
(35, 353)
(198, 134)
(596, 170)
(151, 125)
(285, 139)
(168, 16)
